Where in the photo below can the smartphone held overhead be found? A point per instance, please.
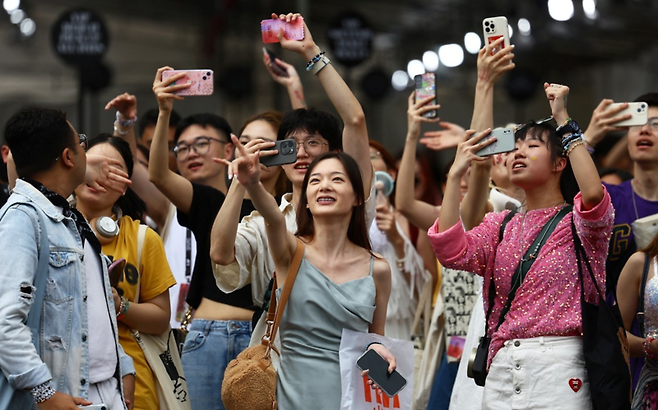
(201, 81)
(277, 68)
(377, 367)
(293, 30)
(638, 111)
(504, 142)
(426, 87)
(495, 28)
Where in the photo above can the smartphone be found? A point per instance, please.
(116, 271)
(639, 114)
(201, 81)
(426, 87)
(377, 367)
(287, 154)
(95, 407)
(505, 142)
(291, 31)
(495, 28)
(276, 67)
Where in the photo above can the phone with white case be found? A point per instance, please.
(638, 111)
(495, 28)
(505, 142)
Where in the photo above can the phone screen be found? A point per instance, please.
(377, 367)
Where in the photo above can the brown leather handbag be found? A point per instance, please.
(250, 379)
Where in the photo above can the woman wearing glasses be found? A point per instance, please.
(538, 340)
(142, 295)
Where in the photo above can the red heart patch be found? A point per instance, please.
(575, 384)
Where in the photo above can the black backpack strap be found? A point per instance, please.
(643, 284)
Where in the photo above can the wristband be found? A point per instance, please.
(571, 127)
(129, 122)
(314, 60)
(42, 392)
(118, 131)
(647, 348)
(324, 61)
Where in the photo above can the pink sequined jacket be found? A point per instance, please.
(548, 301)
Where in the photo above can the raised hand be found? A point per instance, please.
(446, 138)
(246, 166)
(164, 92)
(602, 119)
(492, 67)
(466, 151)
(557, 95)
(125, 104)
(102, 173)
(415, 111)
(306, 47)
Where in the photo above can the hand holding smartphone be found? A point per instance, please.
(115, 271)
(95, 407)
(425, 88)
(638, 111)
(293, 30)
(377, 367)
(505, 142)
(277, 68)
(200, 81)
(287, 154)
(495, 28)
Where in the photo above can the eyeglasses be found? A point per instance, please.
(311, 146)
(375, 155)
(651, 122)
(538, 122)
(200, 146)
(84, 141)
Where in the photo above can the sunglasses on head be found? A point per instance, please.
(532, 122)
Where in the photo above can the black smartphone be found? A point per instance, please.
(116, 271)
(377, 367)
(426, 87)
(287, 154)
(277, 68)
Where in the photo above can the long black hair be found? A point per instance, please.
(130, 203)
(357, 232)
(546, 133)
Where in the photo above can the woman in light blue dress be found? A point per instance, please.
(340, 284)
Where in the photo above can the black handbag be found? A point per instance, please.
(604, 344)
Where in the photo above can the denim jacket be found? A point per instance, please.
(62, 336)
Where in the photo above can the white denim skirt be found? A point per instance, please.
(539, 373)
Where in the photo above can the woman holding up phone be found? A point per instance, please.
(531, 347)
(340, 284)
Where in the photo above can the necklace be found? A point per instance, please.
(633, 197)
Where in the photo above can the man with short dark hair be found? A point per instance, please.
(147, 129)
(79, 360)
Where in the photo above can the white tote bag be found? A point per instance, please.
(356, 394)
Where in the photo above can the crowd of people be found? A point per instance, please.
(202, 225)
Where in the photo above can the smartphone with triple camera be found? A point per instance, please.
(201, 81)
(495, 28)
(426, 87)
(276, 67)
(638, 112)
(504, 142)
(377, 367)
(287, 154)
(293, 30)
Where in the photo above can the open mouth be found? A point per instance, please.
(326, 199)
(644, 143)
(518, 165)
(194, 166)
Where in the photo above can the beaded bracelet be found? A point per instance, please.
(123, 308)
(118, 131)
(647, 348)
(324, 61)
(569, 138)
(129, 122)
(314, 60)
(574, 145)
(42, 392)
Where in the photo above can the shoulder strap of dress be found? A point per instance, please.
(372, 265)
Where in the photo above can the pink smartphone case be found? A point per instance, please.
(291, 31)
(201, 81)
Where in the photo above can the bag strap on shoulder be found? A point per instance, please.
(141, 236)
(274, 313)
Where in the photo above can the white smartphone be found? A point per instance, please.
(505, 142)
(94, 407)
(495, 28)
(639, 114)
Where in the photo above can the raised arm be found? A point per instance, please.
(225, 228)
(175, 187)
(417, 212)
(286, 75)
(582, 164)
(157, 204)
(355, 133)
(282, 243)
(490, 69)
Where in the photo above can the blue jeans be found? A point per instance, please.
(209, 346)
(442, 386)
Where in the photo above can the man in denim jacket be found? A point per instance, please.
(80, 360)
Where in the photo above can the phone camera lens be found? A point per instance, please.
(204, 77)
(639, 110)
(208, 73)
(486, 23)
(487, 29)
(493, 27)
(642, 106)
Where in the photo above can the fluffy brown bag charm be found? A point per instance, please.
(250, 379)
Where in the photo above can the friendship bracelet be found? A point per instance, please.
(314, 60)
(569, 138)
(320, 65)
(118, 131)
(574, 145)
(42, 392)
(647, 348)
(125, 122)
(123, 308)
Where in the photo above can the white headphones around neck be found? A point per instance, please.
(107, 226)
